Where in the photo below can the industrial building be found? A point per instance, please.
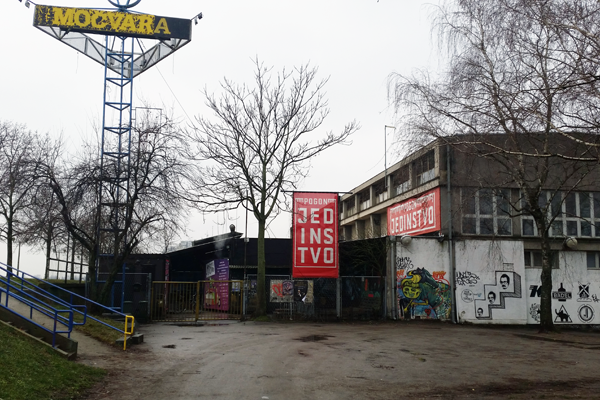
(459, 235)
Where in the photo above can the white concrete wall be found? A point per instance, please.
(423, 279)
(481, 269)
(492, 285)
(578, 303)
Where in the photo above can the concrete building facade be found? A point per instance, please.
(480, 258)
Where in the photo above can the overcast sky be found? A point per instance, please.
(356, 43)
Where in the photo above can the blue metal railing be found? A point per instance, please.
(23, 288)
(18, 292)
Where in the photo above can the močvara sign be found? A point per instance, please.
(114, 23)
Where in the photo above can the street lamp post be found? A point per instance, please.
(385, 151)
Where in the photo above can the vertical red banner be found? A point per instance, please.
(315, 225)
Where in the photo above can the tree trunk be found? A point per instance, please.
(48, 252)
(261, 303)
(9, 243)
(91, 278)
(73, 259)
(546, 322)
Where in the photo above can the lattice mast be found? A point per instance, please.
(114, 195)
(123, 55)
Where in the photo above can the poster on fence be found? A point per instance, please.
(315, 227)
(282, 291)
(216, 294)
(303, 291)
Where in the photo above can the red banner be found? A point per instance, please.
(315, 224)
(415, 216)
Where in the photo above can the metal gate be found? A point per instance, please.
(196, 301)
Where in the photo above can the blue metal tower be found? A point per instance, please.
(123, 57)
(114, 205)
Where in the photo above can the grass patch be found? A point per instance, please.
(98, 331)
(34, 371)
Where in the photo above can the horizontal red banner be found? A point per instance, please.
(415, 216)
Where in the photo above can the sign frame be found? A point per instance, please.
(315, 224)
(113, 23)
(415, 216)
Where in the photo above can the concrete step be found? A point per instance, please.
(136, 338)
(120, 341)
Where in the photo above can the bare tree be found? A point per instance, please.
(519, 90)
(44, 227)
(18, 151)
(259, 145)
(156, 171)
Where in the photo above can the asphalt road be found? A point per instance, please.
(392, 360)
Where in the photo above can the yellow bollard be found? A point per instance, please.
(126, 331)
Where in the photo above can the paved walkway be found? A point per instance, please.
(294, 361)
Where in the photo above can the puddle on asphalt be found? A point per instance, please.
(314, 338)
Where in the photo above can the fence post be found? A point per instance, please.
(197, 300)
(244, 294)
(338, 300)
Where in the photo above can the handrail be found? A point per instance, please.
(43, 308)
(74, 307)
(49, 311)
(39, 292)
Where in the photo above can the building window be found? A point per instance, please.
(486, 212)
(593, 259)
(350, 206)
(575, 214)
(402, 180)
(348, 232)
(381, 193)
(533, 259)
(365, 200)
(425, 168)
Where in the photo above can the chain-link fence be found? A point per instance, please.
(322, 299)
(362, 297)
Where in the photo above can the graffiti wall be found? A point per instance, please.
(490, 281)
(575, 291)
(423, 290)
(493, 286)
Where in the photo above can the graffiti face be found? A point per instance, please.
(504, 281)
(411, 288)
(494, 299)
(479, 312)
(420, 294)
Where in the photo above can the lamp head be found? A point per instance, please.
(571, 243)
(405, 240)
